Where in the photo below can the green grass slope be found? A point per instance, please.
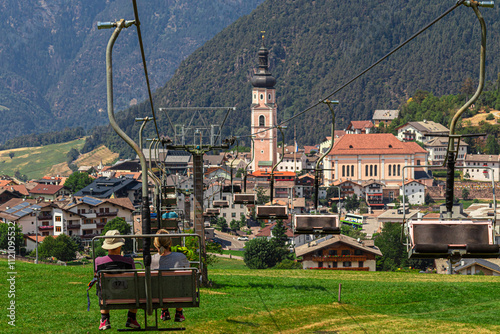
(35, 162)
(52, 299)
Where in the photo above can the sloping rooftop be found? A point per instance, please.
(46, 189)
(319, 244)
(374, 144)
(482, 158)
(481, 262)
(382, 115)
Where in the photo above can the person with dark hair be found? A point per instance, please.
(114, 260)
(166, 259)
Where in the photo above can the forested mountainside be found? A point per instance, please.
(52, 57)
(315, 47)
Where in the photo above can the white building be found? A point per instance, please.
(474, 171)
(415, 191)
(420, 131)
(437, 148)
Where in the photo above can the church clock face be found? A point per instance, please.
(262, 134)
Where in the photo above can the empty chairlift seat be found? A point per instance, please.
(440, 239)
(169, 197)
(317, 224)
(221, 204)
(244, 198)
(271, 212)
(211, 212)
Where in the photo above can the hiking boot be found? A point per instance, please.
(165, 315)
(179, 317)
(104, 324)
(132, 323)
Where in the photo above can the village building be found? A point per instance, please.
(113, 187)
(381, 157)
(437, 148)
(474, 164)
(359, 127)
(339, 252)
(421, 131)
(49, 192)
(414, 191)
(476, 266)
(384, 116)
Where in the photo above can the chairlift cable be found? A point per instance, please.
(138, 25)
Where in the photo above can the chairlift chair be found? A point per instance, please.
(317, 224)
(453, 236)
(271, 212)
(244, 198)
(448, 238)
(220, 204)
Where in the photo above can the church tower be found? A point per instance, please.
(264, 115)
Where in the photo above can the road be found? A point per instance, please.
(229, 241)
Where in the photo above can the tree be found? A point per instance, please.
(16, 232)
(62, 247)
(77, 181)
(65, 248)
(465, 193)
(279, 234)
(351, 203)
(262, 198)
(125, 229)
(234, 225)
(260, 253)
(492, 146)
(334, 208)
(394, 253)
(352, 232)
(72, 155)
(428, 199)
(243, 221)
(221, 224)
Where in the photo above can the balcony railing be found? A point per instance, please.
(106, 214)
(88, 236)
(72, 226)
(343, 268)
(45, 217)
(100, 224)
(46, 227)
(339, 258)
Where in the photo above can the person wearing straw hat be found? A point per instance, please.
(114, 260)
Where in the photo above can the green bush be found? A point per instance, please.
(490, 117)
(288, 264)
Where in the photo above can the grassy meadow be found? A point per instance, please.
(52, 299)
(35, 162)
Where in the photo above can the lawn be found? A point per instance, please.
(52, 299)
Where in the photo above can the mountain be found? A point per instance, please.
(315, 47)
(52, 57)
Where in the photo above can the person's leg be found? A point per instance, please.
(104, 323)
(132, 319)
(178, 315)
(165, 314)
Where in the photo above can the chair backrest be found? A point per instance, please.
(323, 224)
(451, 232)
(170, 288)
(244, 198)
(271, 211)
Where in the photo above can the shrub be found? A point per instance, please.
(288, 264)
(490, 117)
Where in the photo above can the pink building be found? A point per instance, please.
(377, 157)
(264, 115)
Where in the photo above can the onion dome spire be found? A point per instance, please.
(263, 78)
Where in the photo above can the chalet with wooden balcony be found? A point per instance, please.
(339, 252)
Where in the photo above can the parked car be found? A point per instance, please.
(242, 238)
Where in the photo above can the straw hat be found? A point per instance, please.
(112, 243)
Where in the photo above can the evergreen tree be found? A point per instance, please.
(492, 146)
(77, 181)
